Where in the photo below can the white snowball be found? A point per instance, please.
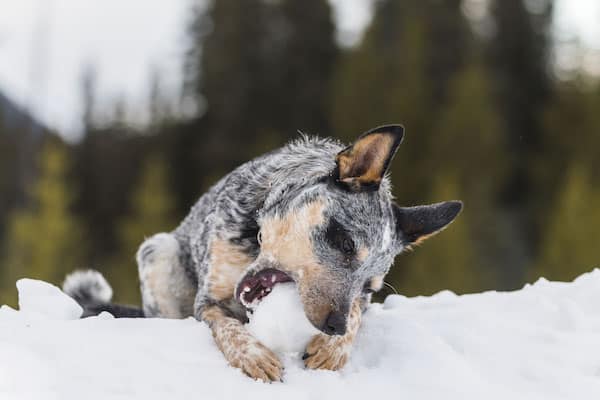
(279, 321)
(394, 301)
(42, 298)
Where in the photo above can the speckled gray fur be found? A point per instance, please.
(174, 266)
(287, 177)
(277, 183)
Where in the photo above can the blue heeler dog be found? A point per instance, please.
(313, 212)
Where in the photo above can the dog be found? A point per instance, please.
(313, 212)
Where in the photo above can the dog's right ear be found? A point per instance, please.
(416, 224)
(362, 165)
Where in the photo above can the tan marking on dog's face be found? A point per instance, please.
(287, 239)
(228, 263)
(376, 283)
(362, 253)
(365, 160)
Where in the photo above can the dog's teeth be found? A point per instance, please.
(246, 289)
(268, 290)
(273, 278)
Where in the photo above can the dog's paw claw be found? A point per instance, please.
(327, 352)
(259, 363)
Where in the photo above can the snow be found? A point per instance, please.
(541, 342)
(279, 321)
(44, 299)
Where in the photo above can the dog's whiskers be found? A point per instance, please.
(390, 286)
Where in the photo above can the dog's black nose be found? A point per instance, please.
(335, 324)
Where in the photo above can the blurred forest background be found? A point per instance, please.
(488, 119)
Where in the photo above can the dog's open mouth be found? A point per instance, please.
(254, 287)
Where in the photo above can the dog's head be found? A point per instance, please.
(337, 236)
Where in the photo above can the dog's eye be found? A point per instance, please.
(339, 238)
(259, 238)
(347, 246)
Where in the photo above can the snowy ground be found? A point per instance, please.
(542, 342)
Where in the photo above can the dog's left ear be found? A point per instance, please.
(416, 224)
(362, 165)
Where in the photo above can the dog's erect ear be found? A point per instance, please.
(362, 165)
(415, 224)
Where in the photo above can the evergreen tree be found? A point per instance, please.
(7, 174)
(518, 55)
(468, 142)
(571, 126)
(565, 172)
(467, 133)
(570, 242)
(262, 70)
(44, 241)
(299, 56)
(400, 73)
(152, 211)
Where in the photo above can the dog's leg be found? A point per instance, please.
(167, 291)
(240, 348)
(332, 352)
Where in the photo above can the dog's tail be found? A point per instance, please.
(93, 293)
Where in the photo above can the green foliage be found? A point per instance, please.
(571, 135)
(467, 133)
(264, 69)
(152, 211)
(570, 241)
(44, 240)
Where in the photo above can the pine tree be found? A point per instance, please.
(44, 241)
(152, 211)
(518, 57)
(262, 71)
(571, 126)
(299, 56)
(570, 243)
(468, 141)
(400, 73)
(468, 133)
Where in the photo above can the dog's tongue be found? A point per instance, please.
(254, 287)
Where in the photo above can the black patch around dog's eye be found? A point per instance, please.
(339, 238)
(367, 288)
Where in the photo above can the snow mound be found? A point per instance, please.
(279, 321)
(44, 299)
(541, 342)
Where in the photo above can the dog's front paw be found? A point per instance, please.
(327, 352)
(256, 361)
(240, 348)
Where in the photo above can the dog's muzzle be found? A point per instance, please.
(335, 323)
